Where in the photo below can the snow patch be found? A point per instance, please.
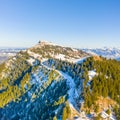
(81, 60)
(75, 50)
(31, 61)
(60, 56)
(34, 54)
(91, 74)
(72, 91)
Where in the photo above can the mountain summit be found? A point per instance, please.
(46, 50)
(45, 42)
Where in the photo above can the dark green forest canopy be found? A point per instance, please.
(106, 83)
(13, 78)
(107, 80)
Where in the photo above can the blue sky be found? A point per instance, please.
(76, 23)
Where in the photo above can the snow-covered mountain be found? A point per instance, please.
(44, 50)
(52, 82)
(113, 53)
(38, 86)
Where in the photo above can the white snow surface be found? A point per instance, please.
(31, 60)
(60, 56)
(81, 60)
(74, 49)
(34, 54)
(72, 60)
(80, 118)
(91, 74)
(72, 91)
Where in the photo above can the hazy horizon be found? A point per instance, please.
(77, 24)
(23, 47)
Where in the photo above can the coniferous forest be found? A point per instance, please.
(19, 74)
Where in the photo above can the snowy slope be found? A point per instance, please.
(50, 88)
(70, 82)
(46, 50)
(73, 92)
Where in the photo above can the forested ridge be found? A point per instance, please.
(22, 82)
(30, 91)
(105, 83)
(14, 77)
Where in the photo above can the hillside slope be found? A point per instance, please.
(28, 83)
(44, 50)
(49, 82)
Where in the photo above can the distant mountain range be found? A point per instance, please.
(10, 49)
(113, 53)
(5, 53)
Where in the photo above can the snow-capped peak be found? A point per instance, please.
(113, 53)
(47, 49)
